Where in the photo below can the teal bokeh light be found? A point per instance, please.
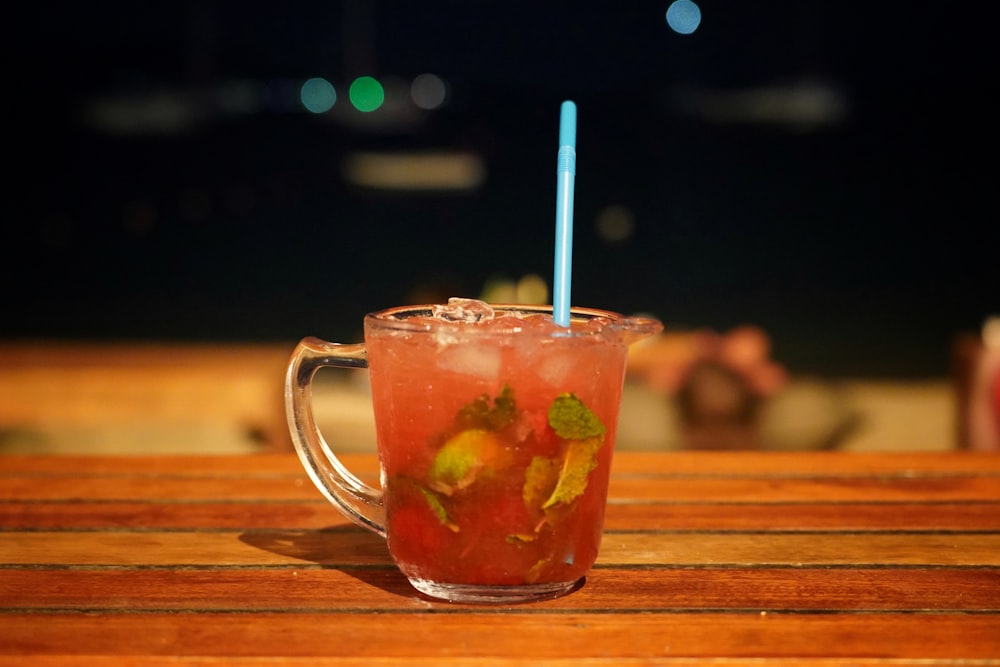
(318, 95)
(683, 16)
(366, 93)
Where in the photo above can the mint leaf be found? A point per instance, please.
(481, 414)
(581, 458)
(439, 509)
(409, 491)
(539, 481)
(573, 420)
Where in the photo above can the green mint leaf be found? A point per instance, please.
(439, 509)
(581, 458)
(481, 414)
(573, 420)
(504, 409)
(540, 481)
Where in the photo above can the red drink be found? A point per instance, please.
(495, 438)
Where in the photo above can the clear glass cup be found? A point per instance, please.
(495, 434)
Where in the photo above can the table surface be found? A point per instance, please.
(707, 558)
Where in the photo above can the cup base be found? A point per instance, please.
(494, 594)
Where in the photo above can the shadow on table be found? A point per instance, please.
(354, 551)
(350, 549)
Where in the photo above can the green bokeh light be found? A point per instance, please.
(366, 93)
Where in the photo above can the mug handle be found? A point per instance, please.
(361, 503)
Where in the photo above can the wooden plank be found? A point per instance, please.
(634, 515)
(800, 549)
(804, 489)
(507, 634)
(823, 464)
(312, 514)
(351, 546)
(854, 516)
(58, 354)
(196, 466)
(639, 488)
(517, 661)
(696, 464)
(161, 487)
(606, 589)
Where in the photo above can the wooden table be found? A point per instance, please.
(708, 558)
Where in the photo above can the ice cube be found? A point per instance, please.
(480, 361)
(463, 310)
(556, 367)
(547, 360)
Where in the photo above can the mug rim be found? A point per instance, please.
(400, 318)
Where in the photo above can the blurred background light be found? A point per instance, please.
(499, 288)
(430, 170)
(429, 91)
(530, 289)
(239, 96)
(615, 224)
(366, 93)
(683, 16)
(317, 95)
(162, 112)
(805, 104)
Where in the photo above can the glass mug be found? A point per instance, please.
(495, 429)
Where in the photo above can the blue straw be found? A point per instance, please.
(565, 174)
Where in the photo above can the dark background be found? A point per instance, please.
(845, 200)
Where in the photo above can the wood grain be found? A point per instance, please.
(659, 464)
(508, 634)
(351, 547)
(715, 559)
(621, 514)
(646, 488)
(624, 589)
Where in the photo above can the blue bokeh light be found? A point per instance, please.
(318, 95)
(683, 16)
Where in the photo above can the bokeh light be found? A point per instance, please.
(366, 93)
(317, 95)
(429, 91)
(683, 16)
(499, 289)
(529, 289)
(615, 224)
(532, 289)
